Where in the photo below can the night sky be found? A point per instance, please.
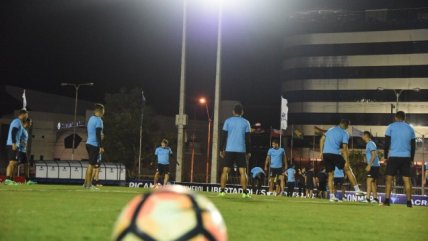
(136, 43)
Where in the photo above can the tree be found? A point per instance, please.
(122, 128)
(358, 165)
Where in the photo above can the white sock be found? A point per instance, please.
(356, 188)
(332, 196)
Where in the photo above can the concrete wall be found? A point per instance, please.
(45, 134)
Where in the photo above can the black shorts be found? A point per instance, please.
(231, 158)
(259, 176)
(374, 173)
(322, 187)
(333, 160)
(399, 165)
(339, 181)
(310, 182)
(11, 154)
(93, 153)
(163, 169)
(309, 186)
(22, 157)
(276, 172)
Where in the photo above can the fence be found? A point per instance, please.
(74, 172)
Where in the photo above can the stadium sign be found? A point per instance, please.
(68, 125)
(418, 200)
(197, 187)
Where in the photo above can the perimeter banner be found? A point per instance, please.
(418, 200)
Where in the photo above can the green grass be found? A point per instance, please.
(52, 212)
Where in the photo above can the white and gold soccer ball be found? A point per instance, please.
(172, 213)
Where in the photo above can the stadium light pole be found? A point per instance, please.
(423, 174)
(181, 118)
(203, 101)
(76, 87)
(398, 93)
(217, 96)
(424, 179)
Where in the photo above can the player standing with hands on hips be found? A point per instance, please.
(399, 153)
(235, 148)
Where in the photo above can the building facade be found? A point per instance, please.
(361, 65)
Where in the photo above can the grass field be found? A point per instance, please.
(52, 212)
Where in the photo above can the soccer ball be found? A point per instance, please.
(172, 213)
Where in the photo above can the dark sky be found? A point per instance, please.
(136, 43)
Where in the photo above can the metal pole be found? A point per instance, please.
(139, 152)
(423, 165)
(193, 157)
(208, 145)
(397, 101)
(181, 120)
(313, 150)
(74, 123)
(143, 103)
(292, 140)
(266, 181)
(280, 127)
(208, 152)
(217, 100)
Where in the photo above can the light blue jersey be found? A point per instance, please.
(371, 146)
(23, 141)
(291, 175)
(276, 157)
(401, 134)
(94, 123)
(338, 173)
(334, 138)
(256, 171)
(16, 123)
(236, 128)
(163, 154)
